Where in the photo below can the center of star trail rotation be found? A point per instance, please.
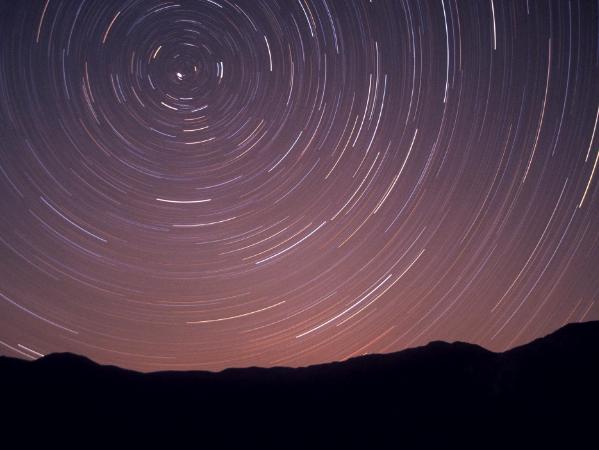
(207, 184)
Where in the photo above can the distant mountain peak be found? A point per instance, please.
(579, 331)
(65, 358)
(417, 398)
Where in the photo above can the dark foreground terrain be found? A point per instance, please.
(542, 395)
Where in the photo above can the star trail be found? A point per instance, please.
(202, 184)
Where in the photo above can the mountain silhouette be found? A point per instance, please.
(442, 395)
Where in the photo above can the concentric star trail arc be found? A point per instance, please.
(204, 184)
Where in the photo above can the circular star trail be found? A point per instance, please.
(218, 183)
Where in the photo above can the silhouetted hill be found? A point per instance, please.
(442, 395)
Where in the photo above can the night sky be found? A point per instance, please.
(205, 184)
